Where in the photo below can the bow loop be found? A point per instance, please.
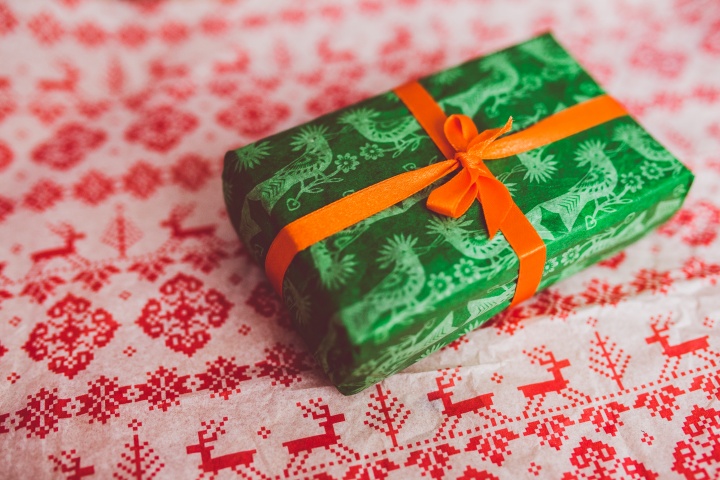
(475, 180)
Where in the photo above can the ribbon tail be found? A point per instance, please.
(496, 202)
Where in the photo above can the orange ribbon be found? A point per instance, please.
(458, 139)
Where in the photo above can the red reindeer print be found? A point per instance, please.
(301, 448)
(698, 347)
(67, 251)
(212, 465)
(179, 233)
(461, 407)
(538, 391)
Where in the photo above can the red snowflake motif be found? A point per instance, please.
(711, 41)
(660, 402)
(43, 195)
(552, 303)
(653, 281)
(433, 462)
(161, 128)
(96, 278)
(602, 462)
(133, 36)
(604, 417)
(7, 207)
(8, 22)
(174, 32)
(710, 384)
(614, 261)
(696, 223)
(163, 388)
(68, 147)
(284, 364)
(253, 116)
(6, 155)
(696, 268)
(152, 269)
(666, 63)
(103, 399)
(43, 412)
(142, 180)
(551, 431)
(94, 187)
(40, 290)
(71, 334)
(191, 172)
(223, 377)
(184, 314)
(698, 456)
(333, 98)
(600, 292)
(494, 445)
(90, 34)
(45, 28)
(471, 473)
(511, 320)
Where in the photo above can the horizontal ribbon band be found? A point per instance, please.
(347, 211)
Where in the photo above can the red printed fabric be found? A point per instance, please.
(138, 341)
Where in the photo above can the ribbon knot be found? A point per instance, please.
(475, 180)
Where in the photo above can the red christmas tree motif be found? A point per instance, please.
(138, 461)
(493, 446)
(604, 417)
(387, 414)
(94, 187)
(600, 292)
(607, 359)
(212, 465)
(301, 448)
(267, 303)
(652, 281)
(599, 460)
(471, 473)
(697, 223)
(697, 268)
(152, 268)
(661, 402)
(163, 388)
(142, 180)
(70, 335)
(184, 314)
(103, 399)
(43, 195)
(223, 377)
(121, 233)
(42, 413)
(69, 146)
(283, 364)
(97, 276)
(161, 128)
(551, 431)
(434, 461)
(69, 464)
(40, 290)
(709, 383)
(698, 455)
(253, 116)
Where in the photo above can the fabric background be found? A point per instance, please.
(138, 341)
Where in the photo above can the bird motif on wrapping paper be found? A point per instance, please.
(599, 182)
(397, 291)
(315, 159)
(401, 132)
(636, 138)
(497, 87)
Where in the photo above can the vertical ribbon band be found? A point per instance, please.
(466, 150)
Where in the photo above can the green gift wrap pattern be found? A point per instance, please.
(378, 296)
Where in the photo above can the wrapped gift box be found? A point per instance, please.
(383, 293)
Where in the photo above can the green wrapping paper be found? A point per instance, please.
(378, 296)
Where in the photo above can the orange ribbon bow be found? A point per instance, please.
(458, 139)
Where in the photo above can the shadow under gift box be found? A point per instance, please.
(380, 295)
